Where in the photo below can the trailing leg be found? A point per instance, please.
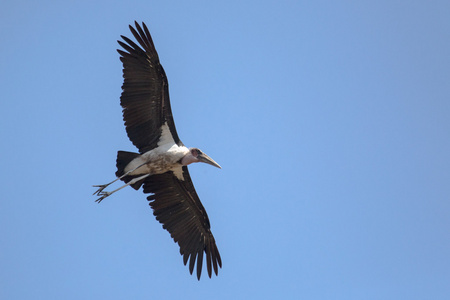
(101, 187)
(103, 195)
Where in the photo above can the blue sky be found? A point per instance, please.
(330, 120)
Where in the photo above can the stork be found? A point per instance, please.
(161, 164)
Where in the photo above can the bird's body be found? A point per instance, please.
(161, 164)
(167, 156)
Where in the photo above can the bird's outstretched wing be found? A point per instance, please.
(145, 96)
(177, 206)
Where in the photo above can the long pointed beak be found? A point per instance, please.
(206, 159)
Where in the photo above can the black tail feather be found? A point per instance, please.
(123, 159)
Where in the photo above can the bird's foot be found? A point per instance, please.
(102, 195)
(101, 187)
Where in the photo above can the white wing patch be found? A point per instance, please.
(166, 144)
(178, 172)
(166, 136)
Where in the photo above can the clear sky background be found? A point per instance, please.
(331, 120)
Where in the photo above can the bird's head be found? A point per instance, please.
(196, 155)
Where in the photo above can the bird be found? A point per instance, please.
(160, 167)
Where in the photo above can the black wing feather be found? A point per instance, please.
(145, 96)
(177, 206)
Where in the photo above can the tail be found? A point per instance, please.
(123, 159)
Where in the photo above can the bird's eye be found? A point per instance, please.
(196, 152)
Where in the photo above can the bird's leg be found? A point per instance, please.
(101, 187)
(133, 181)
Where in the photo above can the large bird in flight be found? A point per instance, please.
(161, 164)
